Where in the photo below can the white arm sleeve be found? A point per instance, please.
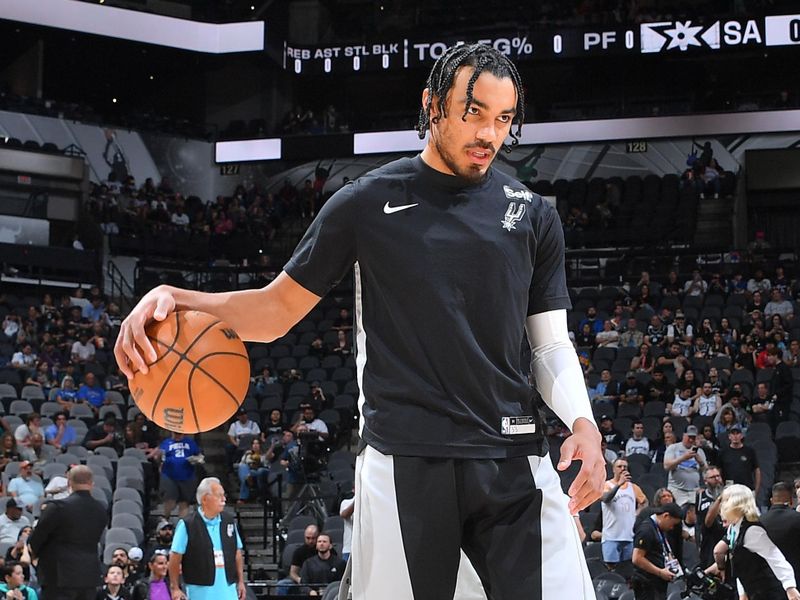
(555, 366)
(756, 540)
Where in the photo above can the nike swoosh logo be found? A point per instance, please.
(393, 209)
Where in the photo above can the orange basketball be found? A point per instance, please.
(200, 377)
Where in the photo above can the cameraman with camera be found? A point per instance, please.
(654, 561)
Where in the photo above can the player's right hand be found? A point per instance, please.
(133, 350)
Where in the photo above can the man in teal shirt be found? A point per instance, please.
(210, 542)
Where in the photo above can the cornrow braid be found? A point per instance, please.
(482, 58)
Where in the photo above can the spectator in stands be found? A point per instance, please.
(674, 357)
(631, 391)
(12, 522)
(761, 570)
(26, 488)
(759, 283)
(606, 390)
(683, 461)
(659, 388)
(157, 584)
(739, 462)
(595, 324)
(711, 529)
(25, 431)
(778, 305)
(92, 393)
(609, 455)
(738, 403)
(95, 310)
(309, 422)
(263, 379)
(761, 407)
(8, 450)
(60, 434)
(11, 326)
(637, 443)
(178, 480)
(38, 453)
(58, 486)
(253, 470)
(344, 322)
(41, 378)
(342, 346)
(24, 360)
(242, 426)
(105, 434)
(683, 403)
(782, 524)
(653, 557)
(13, 585)
(781, 385)
(303, 553)
(273, 428)
(165, 531)
(696, 286)
(708, 441)
(612, 437)
(644, 361)
(668, 438)
(745, 359)
(67, 395)
(706, 402)
(323, 567)
(146, 435)
(631, 337)
(585, 336)
(19, 552)
(608, 337)
(113, 588)
(83, 350)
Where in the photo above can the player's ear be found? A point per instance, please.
(428, 96)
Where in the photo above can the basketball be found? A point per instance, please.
(200, 377)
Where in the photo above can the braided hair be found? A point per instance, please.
(483, 58)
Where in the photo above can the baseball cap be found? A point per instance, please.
(735, 428)
(671, 509)
(605, 418)
(25, 463)
(691, 430)
(12, 504)
(679, 315)
(164, 525)
(631, 374)
(241, 411)
(135, 553)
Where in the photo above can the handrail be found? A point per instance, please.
(121, 291)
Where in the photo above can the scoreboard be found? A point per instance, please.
(662, 37)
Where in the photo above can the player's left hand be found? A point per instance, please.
(584, 445)
(241, 590)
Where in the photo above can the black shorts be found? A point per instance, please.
(179, 491)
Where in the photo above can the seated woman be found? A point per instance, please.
(253, 471)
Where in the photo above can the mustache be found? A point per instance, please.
(482, 146)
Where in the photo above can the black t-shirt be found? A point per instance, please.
(316, 570)
(709, 536)
(648, 539)
(302, 554)
(445, 275)
(739, 464)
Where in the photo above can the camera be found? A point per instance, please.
(694, 448)
(705, 586)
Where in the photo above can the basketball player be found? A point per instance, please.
(452, 260)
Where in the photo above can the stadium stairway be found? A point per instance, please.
(714, 225)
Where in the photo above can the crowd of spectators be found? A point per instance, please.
(691, 381)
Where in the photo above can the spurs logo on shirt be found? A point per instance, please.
(513, 216)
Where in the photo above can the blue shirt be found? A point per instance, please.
(68, 395)
(93, 395)
(70, 435)
(176, 466)
(221, 590)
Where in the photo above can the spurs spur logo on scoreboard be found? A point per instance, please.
(682, 35)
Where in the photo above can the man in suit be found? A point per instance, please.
(65, 541)
(783, 524)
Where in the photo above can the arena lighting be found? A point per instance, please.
(247, 150)
(121, 23)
